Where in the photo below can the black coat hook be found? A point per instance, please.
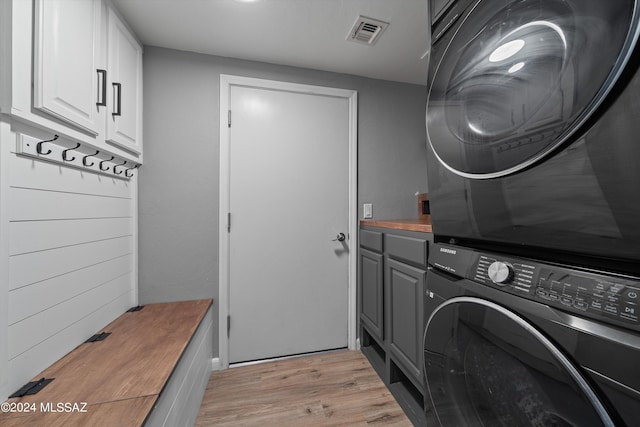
(64, 153)
(104, 161)
(127, 172)
(39, 146)
(119, 164)
(84, 159)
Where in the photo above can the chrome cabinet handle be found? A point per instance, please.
(340, 238)
(102, 88)
(117, 106)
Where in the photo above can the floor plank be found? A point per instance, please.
(329, 389)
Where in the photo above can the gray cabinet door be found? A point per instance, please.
(372, 293)
(405, 315)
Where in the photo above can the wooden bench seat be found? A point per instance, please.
(120, 378)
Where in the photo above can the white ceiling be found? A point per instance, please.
(301, 33)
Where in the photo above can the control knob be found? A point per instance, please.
(500, 272)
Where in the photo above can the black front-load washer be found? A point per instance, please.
(533, 123)
(518, 342)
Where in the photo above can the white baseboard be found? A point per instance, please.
(215, 364)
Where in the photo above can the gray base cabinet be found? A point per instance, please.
(405, 318)
(372, 294)
(392, 277)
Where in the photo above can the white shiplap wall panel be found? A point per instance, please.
(38, 297)
(5, 135)
(70, 245)
(35, 329)
(32, 236)
(38, 358)
(38, 205)
(36, 266)
(30, 173)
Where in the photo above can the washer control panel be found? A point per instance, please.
(596, 295)
(599, 295)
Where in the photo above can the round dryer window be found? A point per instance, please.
(518, 78)
(486, 366)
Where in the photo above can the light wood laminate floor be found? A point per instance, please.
(329, 389)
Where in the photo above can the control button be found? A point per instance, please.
(632, 294)
(616, 289)
(553, 296)
(580, 305)
(597, 305)
(500, 272)
(611, 308)
(630, 311)
(566, 300)
(541, 292)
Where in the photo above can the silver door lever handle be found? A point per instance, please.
(340, 238)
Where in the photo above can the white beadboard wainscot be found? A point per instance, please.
(71, 239)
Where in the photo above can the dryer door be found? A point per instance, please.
(518, 78)
(486, 366)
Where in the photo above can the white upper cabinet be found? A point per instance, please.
(67, 59)
(73, 68)
(124, 117)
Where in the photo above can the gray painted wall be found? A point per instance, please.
(178, 184)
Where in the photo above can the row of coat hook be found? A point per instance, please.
(86, 158)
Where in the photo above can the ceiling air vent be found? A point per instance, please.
(366, 30)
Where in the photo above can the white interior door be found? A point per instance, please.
(288, 199)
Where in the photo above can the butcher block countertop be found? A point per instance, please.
(423, 225)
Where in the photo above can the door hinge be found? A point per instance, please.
(98, 337)
(229, 117)
(228, 324)
(228, 222)
(32, 387)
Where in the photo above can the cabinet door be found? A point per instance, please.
(404, 287)
(124, 116)
(67, 55)
(372, 293)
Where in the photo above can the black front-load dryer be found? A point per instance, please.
(533, 124)
(519, 342)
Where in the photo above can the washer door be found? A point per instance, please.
(518, 78)
(486, 366)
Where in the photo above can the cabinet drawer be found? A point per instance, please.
(412, 249)
(371, 239)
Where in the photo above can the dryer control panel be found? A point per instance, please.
(602, 296)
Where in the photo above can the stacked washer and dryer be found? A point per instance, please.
(533, 300)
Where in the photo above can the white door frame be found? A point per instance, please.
(226, 81)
